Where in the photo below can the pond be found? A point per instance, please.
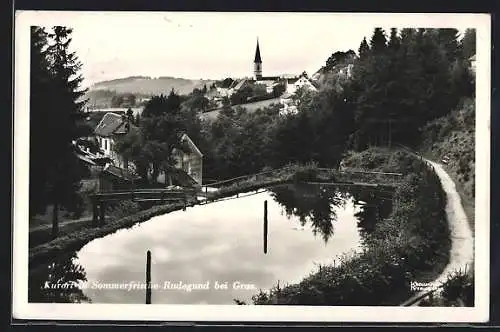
(213, 253)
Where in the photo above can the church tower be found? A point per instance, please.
(257, 63)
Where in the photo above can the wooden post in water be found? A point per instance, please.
(101, 212)
(265, 227)
(148, 277)
(94, 212)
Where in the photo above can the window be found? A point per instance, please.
(105, 144)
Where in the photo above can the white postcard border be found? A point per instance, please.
(24, 310)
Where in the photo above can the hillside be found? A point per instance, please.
(453, 137)
(101, 94)
(149, 85)
(212, 115)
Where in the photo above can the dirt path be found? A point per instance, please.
(462, 240)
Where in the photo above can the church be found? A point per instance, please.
(289, 84)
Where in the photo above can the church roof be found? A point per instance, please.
(257, 54)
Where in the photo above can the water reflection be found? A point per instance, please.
(310, 203)
(59, 282)
(376, 205)
(316, 204)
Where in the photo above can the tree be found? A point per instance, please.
(160, 105)
(378, 41)
(160, 131)
(468, 43)
(340, 58)
(56, 109)
(394, 41)
(39, 118)
(241, 96)
(117, 100)
(130, 115)
(364, 49)
(448, 40)
(260, 90)
(279, 89)
(197, 102)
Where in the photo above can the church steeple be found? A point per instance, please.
(257, 53)
(257, 63)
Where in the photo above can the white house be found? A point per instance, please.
(224, 92)
(113, 127)
(295, 83)
(110, 128)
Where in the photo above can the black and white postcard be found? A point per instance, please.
(211, 166)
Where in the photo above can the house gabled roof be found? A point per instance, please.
(233, 84)
(240, 84)
(109, 124)
(192, 147)
(191, 144)
(121, 173)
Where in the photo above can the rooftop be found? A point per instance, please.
(112, 124)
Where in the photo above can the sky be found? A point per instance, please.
(216, 45)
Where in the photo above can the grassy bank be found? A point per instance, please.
(43, 233)
(457, 291)
(411, 245)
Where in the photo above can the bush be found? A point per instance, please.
(122, 209)
(308, 172)
(458, 290)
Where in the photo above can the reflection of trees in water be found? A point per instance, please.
(378, 206)
(311, 203)
(315, 203)
(58, 282)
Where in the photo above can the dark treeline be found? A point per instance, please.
(402, 81)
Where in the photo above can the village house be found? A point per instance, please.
(112, 127)
(293, 84)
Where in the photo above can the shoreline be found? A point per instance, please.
(64, 245)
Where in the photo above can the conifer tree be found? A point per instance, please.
(378, 41)
(394, 41)
(39, 118)
(364, 49)
(54, 123)
(468, 43)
